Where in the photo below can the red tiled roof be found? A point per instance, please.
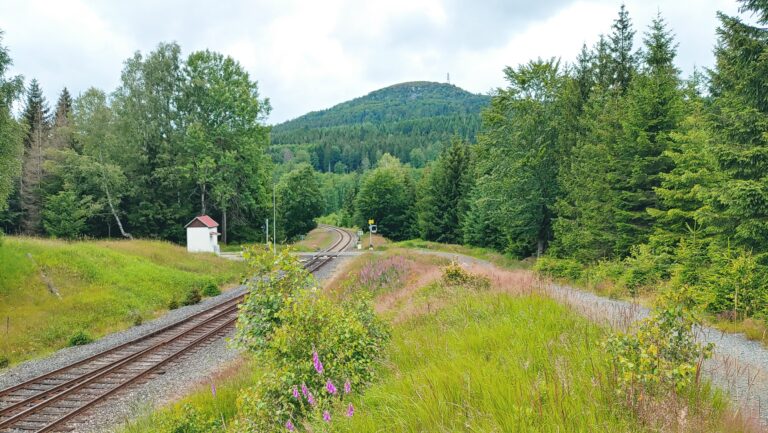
(205, 219)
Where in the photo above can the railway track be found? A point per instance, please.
(53, 401)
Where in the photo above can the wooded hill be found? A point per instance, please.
(411, 121)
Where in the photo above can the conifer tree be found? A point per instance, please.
(36, 142)
(740, 119)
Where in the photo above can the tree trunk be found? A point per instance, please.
(114, 213)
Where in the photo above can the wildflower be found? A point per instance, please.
(327, 416)
(289, 426)
(304, 390)
(318, 364)
(347, 387)
(295, 392)
(310, 399)
(213, 389)
(350, 410)
(330, 387)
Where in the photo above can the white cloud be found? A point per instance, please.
(309, 55)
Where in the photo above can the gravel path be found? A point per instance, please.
(739, 366)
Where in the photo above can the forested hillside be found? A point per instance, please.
(411, 121)
(614, 168)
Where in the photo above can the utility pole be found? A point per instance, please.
(266, 233)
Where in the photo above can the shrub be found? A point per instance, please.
(173, 304)
(210, 289)
(192, 297)
(135, 318)
(568, 269)
(308, 344)
(663, 356)
(79, 338)
(319, 346)
(4, 361)
(280, 278)
(455, 275)
(642, 269)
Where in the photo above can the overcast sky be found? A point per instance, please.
(311, 54)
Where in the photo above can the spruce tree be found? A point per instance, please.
(623, 61)
(740, 119)
(443, 202)
(36, 142)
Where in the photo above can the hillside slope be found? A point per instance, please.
(409, 120)
(102, 286)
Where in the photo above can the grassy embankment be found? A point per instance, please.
(463, 358)
(51, 289)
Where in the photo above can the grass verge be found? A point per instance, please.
(51, 290)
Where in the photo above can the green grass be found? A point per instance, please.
(476, 362)
(104, 286)
(486, 254)
(491, 362)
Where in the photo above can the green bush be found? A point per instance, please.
(664, 355)
(135, 317)
(173, 304)
(567, 269)
(210, 289)
(643, 268)
(4, 361)
(281, 277)
(79, 338)
(292, 329)
(192, 297)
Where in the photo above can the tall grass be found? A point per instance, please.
(50, 290)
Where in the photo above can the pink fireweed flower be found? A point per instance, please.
(289, 426)
(310, 399)
(296, 393)
(327, 416)
(350, 410)
(213, 389)
(317, 363)
(304, 390)
(330, 387)
(347, 387)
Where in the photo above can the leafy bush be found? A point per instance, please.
(173, 304)
(281, 276)
(642, 268)
(664, 355)
(4, 361)
(568, 269)
(79, 338)
(210, 289)
(192, 297)
(308, 344)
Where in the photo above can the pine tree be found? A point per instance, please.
(62, 133)
(443, 201)
(740, 119)
(623, 62)
(36, 142)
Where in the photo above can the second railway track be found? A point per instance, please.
(53, 401)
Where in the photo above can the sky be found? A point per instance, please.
(311, 54)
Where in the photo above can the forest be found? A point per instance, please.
(609, 166)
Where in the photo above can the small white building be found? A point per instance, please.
(203, 235)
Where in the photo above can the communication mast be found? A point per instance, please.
(448, 77)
